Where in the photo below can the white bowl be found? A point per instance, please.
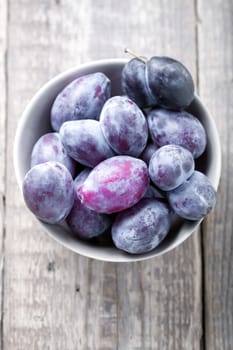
(35, 122)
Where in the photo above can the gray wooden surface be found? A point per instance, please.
(53, 299)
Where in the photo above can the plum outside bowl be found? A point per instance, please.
(35, 122)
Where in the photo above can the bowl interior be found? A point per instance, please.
(35, 122)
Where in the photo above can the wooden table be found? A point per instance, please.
(51, 298)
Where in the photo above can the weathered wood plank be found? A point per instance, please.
(55, 299)
(216, 77)
(159, 303)
(3, 40)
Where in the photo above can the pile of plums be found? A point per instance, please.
(122, 164)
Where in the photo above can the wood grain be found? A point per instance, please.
(53, 298)
(3, 106)
(216, 84)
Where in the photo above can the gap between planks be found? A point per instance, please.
(4, 108)
(202, 247)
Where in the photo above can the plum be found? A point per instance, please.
(50, 148)
(83, 98)
(194, 199)
(160, 80)
(170, 166)
(179, 128)
(49, 192)
(142, 227)
(170, 82)
(134, 83)
(124, 126)
(115, 184)
(84, 222)
(85, 142)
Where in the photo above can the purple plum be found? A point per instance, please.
(83, 98)
(141, 228)
(124, 126)
(85, 142)
(50, 148)
(49, 192)
(115, 184)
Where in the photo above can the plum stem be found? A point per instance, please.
(135, 55)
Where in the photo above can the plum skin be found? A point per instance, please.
(141, 228)
(170, 166)
(179, 128)
(170, 82)
(194, 199)
(160, 80)
(148, 152)
(48, 191)
(50, 148)
(124, 126)
(134, 83)
(84, 222)
(115, 184)
(85, 142)
(82, 98)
